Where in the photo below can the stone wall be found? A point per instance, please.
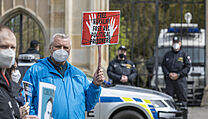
(61, 16)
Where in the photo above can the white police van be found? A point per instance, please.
(25, 61)
(193, 43)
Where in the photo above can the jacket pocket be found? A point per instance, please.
(179, 65)
(77, 82)
(47, 79)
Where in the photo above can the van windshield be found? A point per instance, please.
(197, 54)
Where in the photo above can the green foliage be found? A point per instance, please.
(137, 24)
(123, 40)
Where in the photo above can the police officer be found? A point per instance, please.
(34, 47)
(176, 65)
(121, 70)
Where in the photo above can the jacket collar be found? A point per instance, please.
(48, 64)
(3, 82)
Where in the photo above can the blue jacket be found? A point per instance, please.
(73, 96)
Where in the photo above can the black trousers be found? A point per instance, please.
(178, 87)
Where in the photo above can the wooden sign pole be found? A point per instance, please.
(99, 56)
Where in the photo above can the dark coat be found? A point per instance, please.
(117, 68)
(32, 51)
(177, 62)
(9, 108)
(180, 63)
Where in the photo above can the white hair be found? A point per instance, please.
(60, 35)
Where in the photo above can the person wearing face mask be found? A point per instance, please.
(74, 93)
(121, 70)
(9, 108)
(15, 76)
(176, 65)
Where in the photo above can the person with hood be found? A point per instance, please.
(9, 108)
(121, 70)
(74, 93)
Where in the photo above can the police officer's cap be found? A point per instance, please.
(176, 39)
(34, 42)
(122, 48)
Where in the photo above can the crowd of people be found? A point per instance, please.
(74, 93)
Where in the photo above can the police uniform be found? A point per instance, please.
(176, 62)
(117, 68)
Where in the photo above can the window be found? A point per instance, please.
(26, 29)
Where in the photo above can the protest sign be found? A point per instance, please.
(27, 87)
(100, 28)
(46, 98)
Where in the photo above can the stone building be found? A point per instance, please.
(40, 19)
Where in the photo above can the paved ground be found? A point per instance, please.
(198, 113)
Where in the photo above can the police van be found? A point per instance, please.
(193, 43)
(25, 61)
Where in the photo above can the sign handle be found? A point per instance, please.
(99, 56)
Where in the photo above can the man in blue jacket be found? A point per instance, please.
(74, 94)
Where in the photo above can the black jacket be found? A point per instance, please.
(32, 51)
(9, 108)
(117, 68)
(176, 62)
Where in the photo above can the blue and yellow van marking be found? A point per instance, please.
(154, 112)
(126, 99)
(110, 99)
(146, 104)
(137, 99)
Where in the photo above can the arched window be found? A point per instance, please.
(26, 29)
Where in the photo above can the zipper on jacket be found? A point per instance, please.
(66, 96)
(174, 55)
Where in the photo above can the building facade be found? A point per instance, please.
(40, 19)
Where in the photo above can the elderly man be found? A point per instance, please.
(74, 94)
(9, 108)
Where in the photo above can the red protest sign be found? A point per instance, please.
(100, 28)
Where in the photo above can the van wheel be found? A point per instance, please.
(128, 114)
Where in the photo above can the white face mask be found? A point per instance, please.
(7, 58)
(16, 75)
(176, 46)
(60, 55)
